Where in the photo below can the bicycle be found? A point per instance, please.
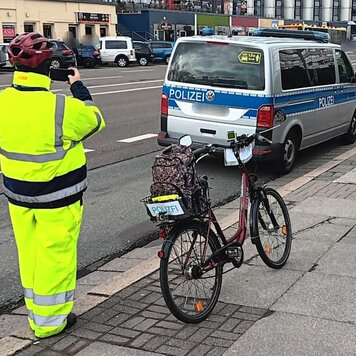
(193, 255)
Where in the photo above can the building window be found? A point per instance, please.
(298, 9)
(317, 10)
(279, 8)
(73, 31)
(336, 10)
(353, 10)
(29, 27)
(89, 30)
(103, 31)
(259, 8)
(47, 30)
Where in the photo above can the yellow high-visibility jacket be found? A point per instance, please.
(41, 153)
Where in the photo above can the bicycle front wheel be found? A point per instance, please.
(189, 293)
(272, 228)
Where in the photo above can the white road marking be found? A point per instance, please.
(88, 150)
(137, 138)
(112, 85)
(128, 83)
(125, 90)
(117, 76)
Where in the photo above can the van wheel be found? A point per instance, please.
(88, 63)
(350, 136)
(288, 155)
(122, 61)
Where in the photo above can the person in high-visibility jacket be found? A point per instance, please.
(44, 174)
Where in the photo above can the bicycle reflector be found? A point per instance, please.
(267, 249)
(199, 306)
(160, 254)
(162, 233)
(284, 230)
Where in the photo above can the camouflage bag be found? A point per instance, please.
(174, 172)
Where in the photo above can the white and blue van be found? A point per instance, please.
(215, 84)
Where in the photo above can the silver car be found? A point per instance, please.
(3, 54)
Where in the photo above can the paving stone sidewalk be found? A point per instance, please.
(255, 301)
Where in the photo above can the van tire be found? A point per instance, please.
(350, 136)
(122, 61)
(289, 151)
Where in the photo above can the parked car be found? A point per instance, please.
(161, 50)
(87, 56)
(3, 49)
(2, 56)
(119, 50)
(144, 53)
(297, 92)
(63, 56)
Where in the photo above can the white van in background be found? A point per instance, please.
(215, 84)
(117, 49)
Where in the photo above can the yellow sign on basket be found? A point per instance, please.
(250, 57)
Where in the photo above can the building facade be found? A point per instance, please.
(58, 19)
(309, 10)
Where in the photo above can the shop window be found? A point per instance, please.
(28, 27)
(73, 31)
(47, 30)
(89, 30)
(103, 31)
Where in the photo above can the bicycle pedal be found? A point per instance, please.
(233, 252)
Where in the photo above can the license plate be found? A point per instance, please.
(170, 208)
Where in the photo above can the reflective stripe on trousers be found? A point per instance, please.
(48, 300)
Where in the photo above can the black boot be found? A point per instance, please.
(71, 320)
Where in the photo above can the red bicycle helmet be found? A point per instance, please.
(29, 49)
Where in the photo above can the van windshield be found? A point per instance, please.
(222, 65)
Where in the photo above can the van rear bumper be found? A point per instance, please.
(260, 153)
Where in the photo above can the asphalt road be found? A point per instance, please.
(120, 172)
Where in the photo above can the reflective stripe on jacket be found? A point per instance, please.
(41, 153)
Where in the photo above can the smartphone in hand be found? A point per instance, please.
(60, 74)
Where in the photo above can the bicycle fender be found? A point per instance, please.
(165, 247)
(253, 213)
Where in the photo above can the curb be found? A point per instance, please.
(24, 337)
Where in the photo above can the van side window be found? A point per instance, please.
(346, 72)
(116, 45)
(294, 73)
(322, 66)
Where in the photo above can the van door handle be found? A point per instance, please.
(211, 132)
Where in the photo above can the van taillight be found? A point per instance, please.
(265, 116)
(96, 53)
(164, 104)
(131, 52)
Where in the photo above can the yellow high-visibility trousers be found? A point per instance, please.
(46, 241)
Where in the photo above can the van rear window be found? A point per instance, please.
(220, 65)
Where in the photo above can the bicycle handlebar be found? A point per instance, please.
(239, 142)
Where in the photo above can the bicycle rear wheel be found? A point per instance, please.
(274, 240)
(190, 295)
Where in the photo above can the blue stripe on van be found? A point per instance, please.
(290, 103)
(220, 97)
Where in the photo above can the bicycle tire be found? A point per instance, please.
(267, 238)
(174, 278)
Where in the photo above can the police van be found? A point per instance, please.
(215, 84)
